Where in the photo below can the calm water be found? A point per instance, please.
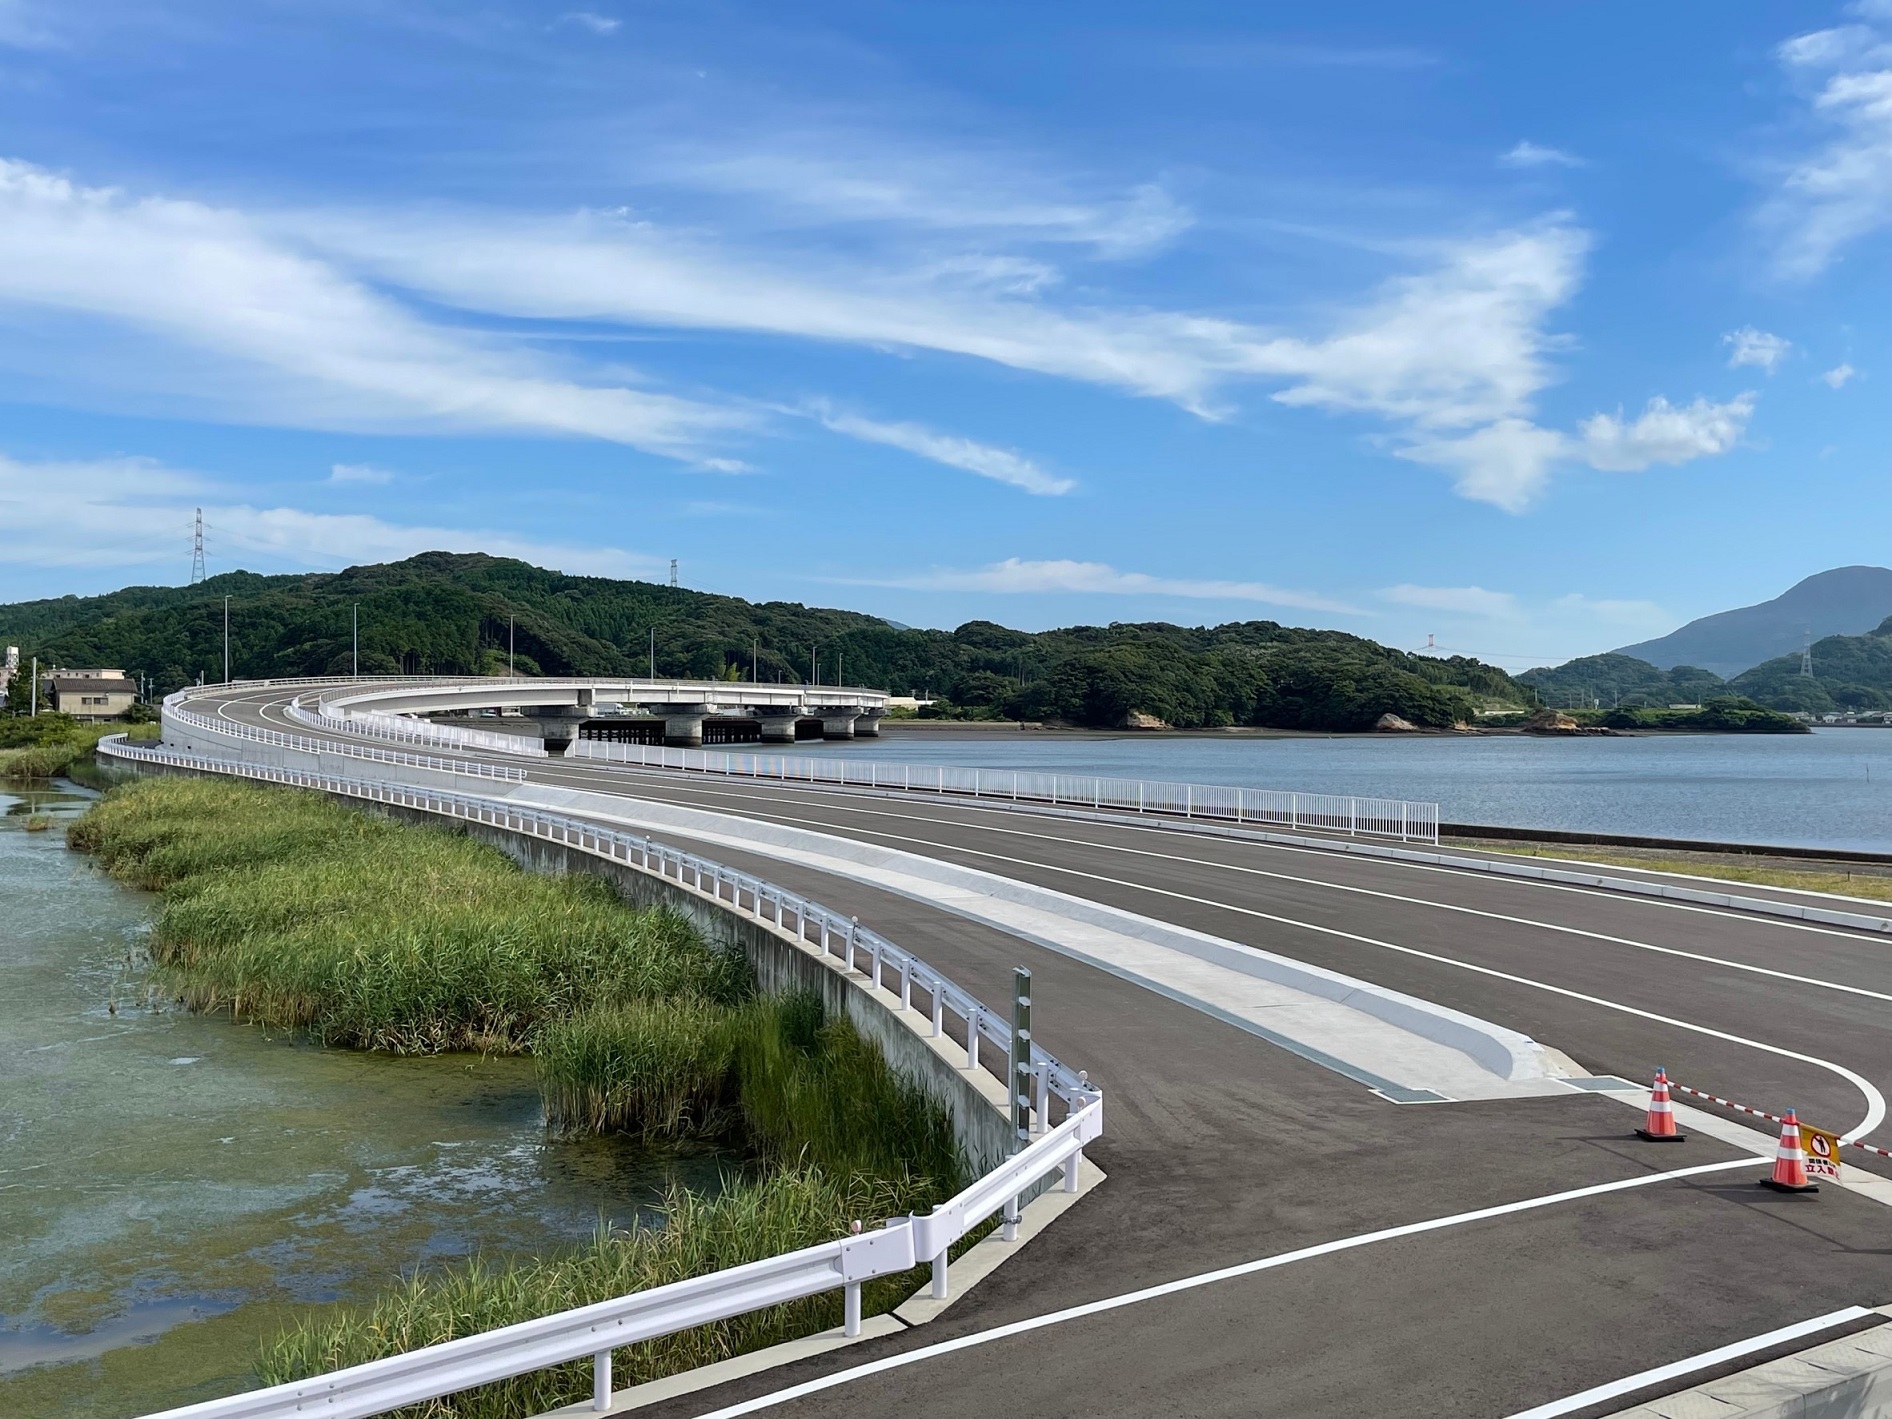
(174, 1186)
(1831, 788)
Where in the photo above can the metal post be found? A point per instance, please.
(34, 688)
(851, 1299)
(1010, 1230)
(1043, 1091)
(876, 965)
(939, 1008)
(906, 984)
(601, 1381)
(973, 1015)
(226, 640)
(1071, 1165)
(357, 662)
(1020, 1071)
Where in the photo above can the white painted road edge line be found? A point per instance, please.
(1207, 1278)
(1615, 1389)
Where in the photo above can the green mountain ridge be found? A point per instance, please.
(1850, 673)
(448, 613)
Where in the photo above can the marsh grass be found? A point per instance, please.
(291, 910)
(782, 1212)
(48, 745)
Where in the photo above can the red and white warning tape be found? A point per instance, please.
(1760, 1113)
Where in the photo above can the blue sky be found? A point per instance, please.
(1535, 329)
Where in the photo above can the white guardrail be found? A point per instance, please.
(594, 1331)
(1393, 818)
(403, 730)
(1262, 807)
(174, 708)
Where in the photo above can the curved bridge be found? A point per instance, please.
(561, 705)
(1281, 1232)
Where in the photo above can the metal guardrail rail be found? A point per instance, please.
(402, 730)
(845, 1264)
(256, 734)
(1262, 807)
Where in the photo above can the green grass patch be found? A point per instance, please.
(46, 746)
(783, 1212)
(288, 909)
(1846, 884)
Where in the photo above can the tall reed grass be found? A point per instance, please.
(290, 910)
(48, 746)
(782, 1212)
(286, 908)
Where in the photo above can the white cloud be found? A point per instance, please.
(1507, 463)
(1838, 376)
(1748, 346)
(586, 19)
(358, 473)
(317, 346)
(1842, 191)
(1000, 464)
(1015, 576)
(136, 513)
(1464, 600)
(1665, 433)
(1534, 155)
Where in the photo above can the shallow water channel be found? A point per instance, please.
(174, 1187)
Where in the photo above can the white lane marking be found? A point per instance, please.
(1875, 1101)
(838, 801)
(1206, 1278)
(1615, 1389)
(1415, 901)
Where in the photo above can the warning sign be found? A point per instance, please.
(1822, 1150)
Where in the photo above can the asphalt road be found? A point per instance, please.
(1223, 1150)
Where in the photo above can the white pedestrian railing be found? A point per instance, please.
(1262, 807)
(402, 730)
(175, 711)
(1049, 1152)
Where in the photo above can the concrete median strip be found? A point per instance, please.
(1409, 1049)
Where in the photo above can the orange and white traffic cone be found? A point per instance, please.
(1790, 1164)
(1661, 1125)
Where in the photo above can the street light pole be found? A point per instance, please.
(755, 661)
(226, 640)
(653, 652)
(509, 670)
(356, 672)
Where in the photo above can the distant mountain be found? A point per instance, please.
(1849, 673)
(1609, 681)
(1847, 601)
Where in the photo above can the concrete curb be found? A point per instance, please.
(1508, 1054)
(1851, 1376)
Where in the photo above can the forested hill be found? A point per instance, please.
(1849, 673)
(446, 613)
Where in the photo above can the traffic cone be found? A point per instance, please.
(1790, 1164)
(1661, 1125)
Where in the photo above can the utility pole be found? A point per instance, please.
(35, 687)
(357, 666)
(226, 640)
(814, 668)
(509, 644)
(755, 661)
(653, 652)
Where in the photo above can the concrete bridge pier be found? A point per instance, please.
(867, 726)
(559, 724)
(778, 724)
(837, 722)
(683, 724)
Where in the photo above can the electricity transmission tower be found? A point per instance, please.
(197, 549)
(673, 571)
(1806, 655)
